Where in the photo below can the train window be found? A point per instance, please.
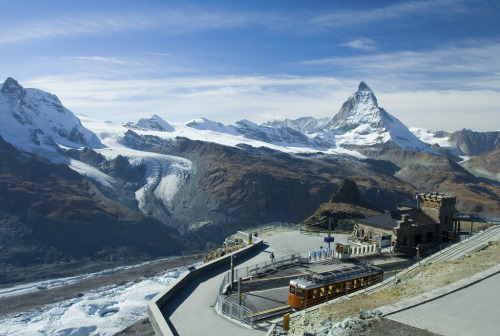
(292, 290)
(330, 289)
(322, 291)
(309, 295)
(300, 293)
(316, 292)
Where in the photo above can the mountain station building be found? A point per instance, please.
(425, 226)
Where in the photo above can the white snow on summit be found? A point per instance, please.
(153, 123)
(364, 123)
(35, 121)
(365, 111)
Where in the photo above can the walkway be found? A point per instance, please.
(193, 313)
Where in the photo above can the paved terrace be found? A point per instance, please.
(193, 310)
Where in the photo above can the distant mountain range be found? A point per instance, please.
(190, 184)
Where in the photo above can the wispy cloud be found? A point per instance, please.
(360, 44)
(102, 59)
(170, 21)
(156, 53)
(184, 98)
(187, 19)
(470, 65)
(395, 11)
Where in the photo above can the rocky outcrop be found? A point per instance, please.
(231, 244)
(475, 143)
(345, 205)
(349, 193)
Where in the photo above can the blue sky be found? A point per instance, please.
(432, 64)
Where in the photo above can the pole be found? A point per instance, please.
(329, 229)
(239, 291)
(232, 271)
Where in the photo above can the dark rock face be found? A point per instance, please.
(348, 193)
(475, 143)
(249, 185)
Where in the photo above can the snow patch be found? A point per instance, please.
(92, 173)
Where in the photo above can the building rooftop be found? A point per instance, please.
(389, 220)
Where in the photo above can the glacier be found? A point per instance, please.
(106, 311)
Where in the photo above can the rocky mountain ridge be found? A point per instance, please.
(170, 187)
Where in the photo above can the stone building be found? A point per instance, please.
(427, 225)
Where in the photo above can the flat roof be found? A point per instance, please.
(315, 280)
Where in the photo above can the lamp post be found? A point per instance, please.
(329, 228)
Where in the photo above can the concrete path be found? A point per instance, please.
(472, 310)
(193, 312)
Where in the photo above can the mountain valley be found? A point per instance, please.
(74, 188)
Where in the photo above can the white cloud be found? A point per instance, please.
(102, 59)
(469, 66)
(229, 99)
(224, 99)
(449, 110)
(361, 44)
(169, 21)
(393, 11)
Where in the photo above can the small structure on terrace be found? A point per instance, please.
(427, 225)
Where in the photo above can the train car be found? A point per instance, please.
(317, 288)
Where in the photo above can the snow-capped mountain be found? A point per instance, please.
(202, 179)
(153, 123)
(360, 122)
(35, 121)
(303, 124)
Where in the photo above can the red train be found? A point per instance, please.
(317, 288)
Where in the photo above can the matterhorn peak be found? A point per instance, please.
(365, 95)
(363, 87)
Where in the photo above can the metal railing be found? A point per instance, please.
(231, 309)
(241, 313)
(273, 226)
(251, 271)
(492, 218)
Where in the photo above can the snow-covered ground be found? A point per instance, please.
(103, 312)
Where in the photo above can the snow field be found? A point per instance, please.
(104, 312)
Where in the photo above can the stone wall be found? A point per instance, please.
(410, 234)
(371, 232)
(439, 207)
